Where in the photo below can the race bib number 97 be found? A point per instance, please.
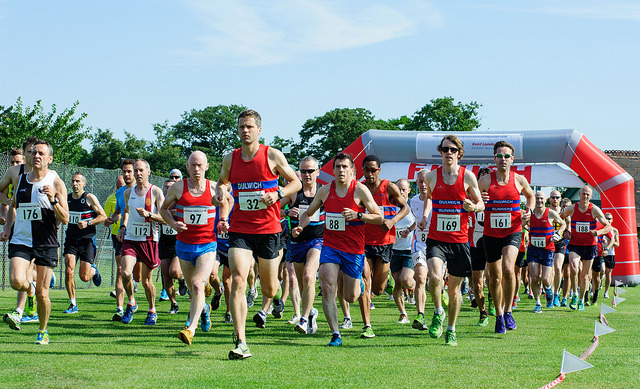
(335, 221)
(448, 223)
(500, 220)
(29, 211)
(195, 216)
(250, 201)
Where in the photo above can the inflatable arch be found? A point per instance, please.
(537, 154)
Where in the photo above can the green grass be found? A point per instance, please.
(88, 350)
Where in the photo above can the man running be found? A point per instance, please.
(542, 239)
(196, 241)
(169, 262)
(479, 261)
(503, 230)
(139, 236)
(40, 205)
(344, 202)
(418, 249)
(582, 244)
(609, 254)
(253, 171)
(453, 191)
(559, 247)
(401, 262)
(85, 212)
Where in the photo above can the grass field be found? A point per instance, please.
(88, 350)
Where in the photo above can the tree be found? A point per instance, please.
(443, 115)
(106, 151)
(326, 135)
(164, 154)
(64, 131)
(290, 148)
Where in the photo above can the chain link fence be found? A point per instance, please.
(101, 183)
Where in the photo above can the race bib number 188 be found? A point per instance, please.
(583, 227)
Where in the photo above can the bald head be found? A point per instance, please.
(197, 165)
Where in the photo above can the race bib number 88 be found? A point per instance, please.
(335, 221)
(250, 201)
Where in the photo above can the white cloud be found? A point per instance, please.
(267, 32)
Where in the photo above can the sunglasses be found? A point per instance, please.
(555, 197)
(371, 170)
(307, 171)
(175, 177)
(446, 149)
(505, 156)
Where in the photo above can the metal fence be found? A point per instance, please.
(101, 183)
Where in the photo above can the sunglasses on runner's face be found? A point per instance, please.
(555, 197)
(505, 156)
(371, 170)
(446, 149)
(174, 177)
(307, 171)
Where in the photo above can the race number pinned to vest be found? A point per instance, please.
(335, 221)
(222, 235)
(250, 201)
(583, 227)
(140, 230)
(448, 223)
(539, 241)
(421, 236)
(500, 220)
(313, 218)
(195, 216)
(29, 212)
(167, 230)
(75, 217)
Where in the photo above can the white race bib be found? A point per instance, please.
(500, 220)
(222, 235)
(195, 216)
(313, 218)
(334, 221)
(167, 230)
(29, 211)
(583, 227)
(140, 230)
(399, 233)
(421, 236)
(539, 241)
(448, 223)
(250, 201)
(75, 217)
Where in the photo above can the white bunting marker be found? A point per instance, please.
(571, 363)
(621, 291)
(617, 283)
(617, 300)
(601, 329)
(605, 309)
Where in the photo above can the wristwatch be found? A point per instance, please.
(55, 201)
(359, 215)
(280, 194)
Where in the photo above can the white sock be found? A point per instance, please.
(73, 301)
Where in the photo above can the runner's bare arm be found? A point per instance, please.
(318, 200)
(173, 195)
(93, 202)
(394, 193)
(363, 196)
(223, 181)
(59, 191)
(474, 203)
(597, 214)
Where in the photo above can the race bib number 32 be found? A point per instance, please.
(250, 201)
(335, 221)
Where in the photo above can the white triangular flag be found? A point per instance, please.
(617, 300)
(617, 283)
(571, 363)
(604, 309)
(621, 291)
(601, 329)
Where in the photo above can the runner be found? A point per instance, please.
(16, 158)
(379, 239)
(566, 268)
(559, 247)
(540, 254)
(196, 242)
(222, 239)
(503, 230)
(109, 209)
(479, 261)
(169, 262)
(304, 249)
(401, 262)
(453, 191)
(85, 212)
(344, 202)
(609, 255)
(582, 244)
(419, 203)
(139, 236)
(40, 205)
(252, 171)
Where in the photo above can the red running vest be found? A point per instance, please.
(502, 215)
(338, 233)
(581, 224)
(449, 221)
(198, 214)
(374, 234)
(541, 231)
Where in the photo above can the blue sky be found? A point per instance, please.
(531, 64)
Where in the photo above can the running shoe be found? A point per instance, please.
(97, 278)
(278, 308)
(227, 318)
(251, 296)
(215, 301)
(174, 309)
(371, 306)
(606, 295)
(435, 330)
(549, 297)
(188, 322)
(205, 318)
(509, 321)
(313, 323)
(500, 327)
(390, 286)
(580, 306)
(208, 290)
(294, 320)
(164, 296)
(336, 341)
(241, 350)
(484, 319)
(42, 337)
(514, 304)
(464, 288)
(586, 302)
(346, 323)
(529, 296)
(72, 309)
(182, 287)
(490, 307)
(151, 319)
(474, 303)
(563, 303)
(260, 320)
(302, 327)
(574, 303)
(445, 298)
(118, 315)
(403, 319)
(31, 308)
(128, 313)
(411, 300)
(30, 319)
(186, 336)
(450, 338)
(556, 300)
(367, 332)
(13, 320)
(52, 283)
(419, 323)
(538, 308)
